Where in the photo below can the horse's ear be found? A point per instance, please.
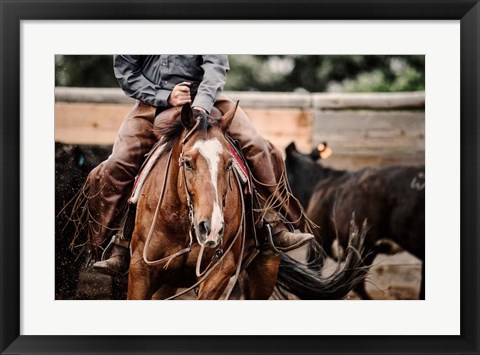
(228, 117)
(187, 117)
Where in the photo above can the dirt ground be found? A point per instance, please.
(395, 277)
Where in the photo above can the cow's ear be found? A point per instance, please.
(324, 150)
(315, 153)
(290, 149)
(187, 117)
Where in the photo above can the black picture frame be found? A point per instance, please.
(13, 12)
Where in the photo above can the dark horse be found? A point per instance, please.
(191, 231)
(391, 199)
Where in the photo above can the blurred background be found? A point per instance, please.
(284, 73)
(370, 109)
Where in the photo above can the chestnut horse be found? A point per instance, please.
(190, 228)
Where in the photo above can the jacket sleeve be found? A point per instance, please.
(128, 71)
(215, 68)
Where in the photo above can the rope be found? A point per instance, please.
(280, 199)
(214, 266)
(168, 259)
(211, 266)
(242, 249)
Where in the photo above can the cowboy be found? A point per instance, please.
(157, 83)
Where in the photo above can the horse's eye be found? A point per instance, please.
(188, 164)
(229, 165)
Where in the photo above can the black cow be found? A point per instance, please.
(73, 162)
(391, 199)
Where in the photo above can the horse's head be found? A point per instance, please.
(206, 162)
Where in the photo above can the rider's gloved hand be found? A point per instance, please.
(180, 94)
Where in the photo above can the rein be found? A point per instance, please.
(168, 259)
(219, 255)
(212, 266)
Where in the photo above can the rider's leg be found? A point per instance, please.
(109, 185)
(267, 166)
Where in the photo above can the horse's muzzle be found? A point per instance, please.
(210, 244)
(208, 237)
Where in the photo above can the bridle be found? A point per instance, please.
(219, 253)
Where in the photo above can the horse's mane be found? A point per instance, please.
(207, 122)
(171, 131)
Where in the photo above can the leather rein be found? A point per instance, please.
(219, 253)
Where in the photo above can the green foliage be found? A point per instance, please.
(84, 71)
(401, 76)
(351, 73)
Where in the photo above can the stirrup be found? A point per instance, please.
(270, 245)
(119, 237)
(118, 240)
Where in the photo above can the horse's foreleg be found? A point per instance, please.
(214, 286)
(241, 288)
(164, 292)
(262, 274)
(140, 278)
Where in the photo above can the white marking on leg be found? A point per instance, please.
(211, 150)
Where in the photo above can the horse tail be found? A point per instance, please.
(306, 281)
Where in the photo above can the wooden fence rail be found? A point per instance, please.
(362, 129)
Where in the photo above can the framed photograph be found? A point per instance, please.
(43, 43)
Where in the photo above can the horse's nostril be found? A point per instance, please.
(204, 228)
(220, 233)
(210, 244)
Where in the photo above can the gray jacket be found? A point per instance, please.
(151, 78)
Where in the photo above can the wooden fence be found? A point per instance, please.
(362, 129)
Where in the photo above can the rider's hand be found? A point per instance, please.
(180, 94)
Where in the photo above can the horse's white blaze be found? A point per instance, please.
(211, 150)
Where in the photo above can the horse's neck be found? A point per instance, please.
(174, 184)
